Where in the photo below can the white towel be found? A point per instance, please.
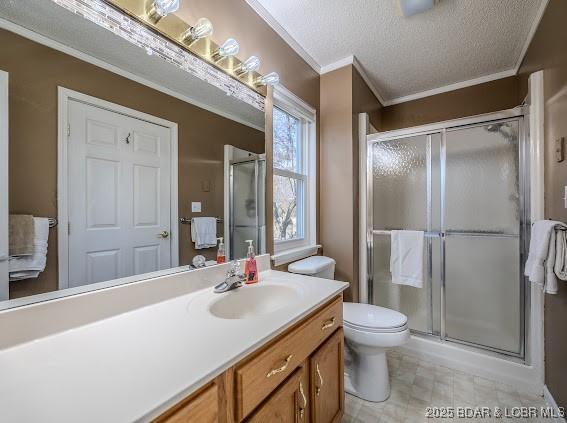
(27, 267)
(561, 255)
(406, 258)
(204, 232)
(542, 254)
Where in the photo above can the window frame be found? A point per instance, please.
(294, 249)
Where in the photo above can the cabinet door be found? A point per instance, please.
(201, 407)
(286, 405)
(327, 392)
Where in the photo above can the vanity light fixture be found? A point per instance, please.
(229, 48)
(252, 64)
(270, 79)
(203, 28)
(161, 8)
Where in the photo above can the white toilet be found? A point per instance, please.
(369, 331)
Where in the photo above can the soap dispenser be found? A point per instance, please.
(250, 267)
(221, 255)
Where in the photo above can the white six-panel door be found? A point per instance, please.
(119, 195)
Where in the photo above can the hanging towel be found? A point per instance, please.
(204, 232)
(21, 235)
(561, 255)
(406, 258)
(540, 265)
(26, 267)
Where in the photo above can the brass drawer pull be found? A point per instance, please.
(318, 387)
(328, 323)
(280, 369)
(302, 408)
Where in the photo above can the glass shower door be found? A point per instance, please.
(483, 284)
(402, 194)
(247, 204)
(461, 185)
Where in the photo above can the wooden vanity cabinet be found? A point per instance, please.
(297, 377)
(327, 380)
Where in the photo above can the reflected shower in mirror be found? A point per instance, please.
(139, 178)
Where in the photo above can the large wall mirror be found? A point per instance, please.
(120, 164)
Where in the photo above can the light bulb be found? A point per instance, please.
(162, 8)
(203, 28)
(270, 79)
(251, 64)
(229, 48)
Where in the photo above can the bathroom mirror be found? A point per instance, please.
(123, 164)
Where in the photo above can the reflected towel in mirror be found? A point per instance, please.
(204, 232)
(26, 267)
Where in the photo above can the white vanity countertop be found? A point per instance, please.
(135, 365)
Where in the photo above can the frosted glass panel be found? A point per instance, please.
(413, 302)
(244, 194)
(399, 170)
(483, 291)
(482, 192)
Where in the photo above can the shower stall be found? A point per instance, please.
(465, 183)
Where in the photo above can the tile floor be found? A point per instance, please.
(417, 384)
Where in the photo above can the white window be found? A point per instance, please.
(294, 184)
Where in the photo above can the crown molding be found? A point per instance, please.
(351, 60)
(56, 45)
(273, 23)
(452, 87)
(341, 63)
(366, 78)
(531, 34)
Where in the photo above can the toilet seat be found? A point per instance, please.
(375, 330)
(373, 319)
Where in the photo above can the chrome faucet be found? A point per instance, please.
(234, 279)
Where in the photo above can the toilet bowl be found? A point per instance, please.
(369, 331)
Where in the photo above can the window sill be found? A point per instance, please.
(287, 256)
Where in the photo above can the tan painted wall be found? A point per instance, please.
(337, 209)
(344, 95)
(547, 51)
(483, 98)
(35, 72)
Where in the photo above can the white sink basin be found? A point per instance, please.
(253, 301)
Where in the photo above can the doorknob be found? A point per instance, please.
(163, 234)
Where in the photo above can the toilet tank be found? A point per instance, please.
(317, 266)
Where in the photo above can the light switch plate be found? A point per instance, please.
(196, 207)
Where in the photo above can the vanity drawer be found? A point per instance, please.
(200, 407)
(258, 377)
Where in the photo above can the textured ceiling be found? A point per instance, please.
(56, 23)
(457, 41)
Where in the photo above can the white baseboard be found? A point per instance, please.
(550, 401)
(484, 364)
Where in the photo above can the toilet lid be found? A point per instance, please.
(372, 317)
(310, 265)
